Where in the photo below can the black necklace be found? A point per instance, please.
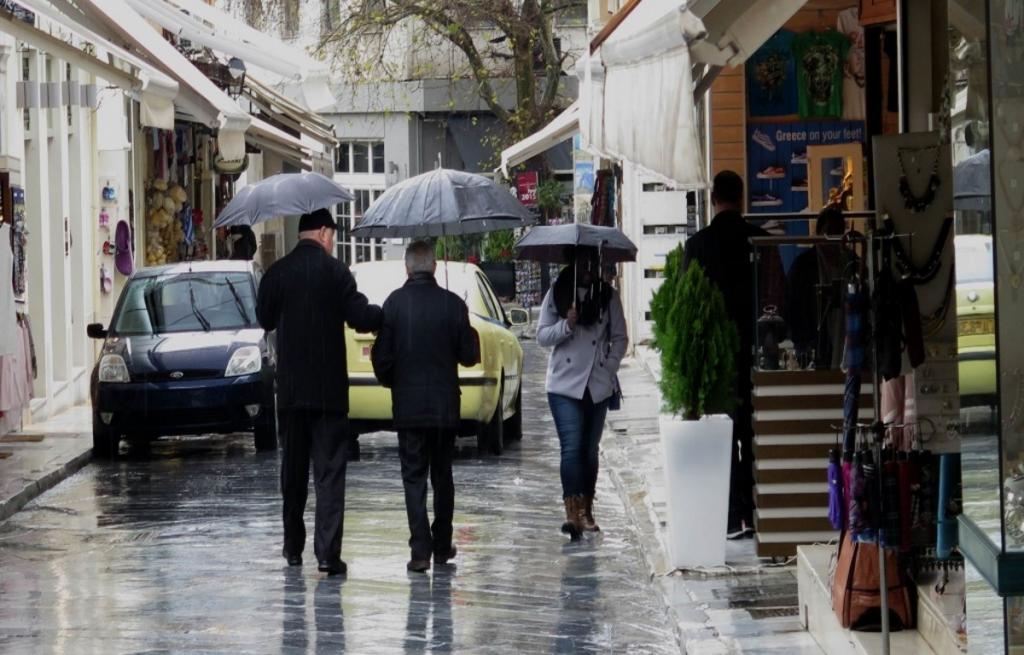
(914, 203)
(920, 274)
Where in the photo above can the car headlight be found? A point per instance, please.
(245, 361)
(113, 369)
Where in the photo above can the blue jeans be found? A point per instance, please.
(579, 424)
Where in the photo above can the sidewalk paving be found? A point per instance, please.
(42, 455)
(749, 606)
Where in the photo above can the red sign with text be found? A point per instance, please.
(526, 187)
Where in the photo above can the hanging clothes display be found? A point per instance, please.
(9, 336)
(819, 64)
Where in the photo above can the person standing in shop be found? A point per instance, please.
(424, 338)
(724, 251)
(306, 298)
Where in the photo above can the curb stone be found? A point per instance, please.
(34, 488)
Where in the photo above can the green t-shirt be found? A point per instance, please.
(819, 73)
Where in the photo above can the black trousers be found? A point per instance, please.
(428, 451)
(324, 436)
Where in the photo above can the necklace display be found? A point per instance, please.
(933, 322)
(915, 203)
(926, 273)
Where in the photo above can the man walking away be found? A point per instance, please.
(425, 336)
(724, 252)
(306, 298)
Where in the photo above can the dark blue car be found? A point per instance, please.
(184, 355)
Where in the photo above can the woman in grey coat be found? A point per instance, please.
(581, 321)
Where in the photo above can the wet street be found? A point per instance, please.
(178, 550)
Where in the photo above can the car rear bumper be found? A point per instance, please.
(183, 407)
(370, 403)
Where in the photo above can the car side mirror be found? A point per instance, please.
(518, 317)
(96, 331)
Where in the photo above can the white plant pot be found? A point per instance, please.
(697, 462)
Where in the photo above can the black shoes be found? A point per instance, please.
(440, 559)
(337, 567)
(293, 560)
(418, 565)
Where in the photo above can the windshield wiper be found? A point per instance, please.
(238, 301)
(195, 310)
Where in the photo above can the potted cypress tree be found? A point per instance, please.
(698, 343)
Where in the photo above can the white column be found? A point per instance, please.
(35, 177)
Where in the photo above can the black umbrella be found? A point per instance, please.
(441, 203)
(556, 244)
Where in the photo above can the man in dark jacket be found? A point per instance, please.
(724, 252)
(306, 298)
(425, 336)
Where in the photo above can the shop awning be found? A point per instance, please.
(636, 94)
(661, 46)
(561, 127)
(290, 113)
(199, 96)
(156, 92)
(264, 135)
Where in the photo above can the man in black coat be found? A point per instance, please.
(724, 252)
(306, 298)
(425, 336)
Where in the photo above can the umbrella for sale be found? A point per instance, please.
(287, 194)
(555, 244)
(441, 203)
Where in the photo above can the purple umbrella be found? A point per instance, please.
(836, 509)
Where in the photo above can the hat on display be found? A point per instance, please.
(104, 218)
(106, 279)
(124, 258)
(109, 193)
(316, 220)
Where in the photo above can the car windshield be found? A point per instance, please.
(377, 283)
(187, 302)
(973, 261)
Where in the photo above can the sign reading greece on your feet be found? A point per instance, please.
(777, 161)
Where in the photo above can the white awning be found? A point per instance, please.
(289, 113)
(636, 95)
(199, 95)
(265, 135)
(156, 91)
(655, 47)
(561, 127)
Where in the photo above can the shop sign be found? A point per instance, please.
(526, 188)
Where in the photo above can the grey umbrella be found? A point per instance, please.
(287, 194)
(443, 202)
(557, 243)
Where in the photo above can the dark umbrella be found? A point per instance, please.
(556, 244)
(836, 508)
(441, 203)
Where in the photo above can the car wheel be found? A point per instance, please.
(514, 425)
(105, 442)
(490, 435)
(265, 433)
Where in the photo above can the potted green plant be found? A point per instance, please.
(698, 343)
(498, 265)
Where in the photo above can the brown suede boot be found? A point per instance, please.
(574, 512)
(588, 523)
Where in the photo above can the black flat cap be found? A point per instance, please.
(316, 220)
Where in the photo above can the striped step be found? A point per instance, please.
(784, 544)
(777, 496)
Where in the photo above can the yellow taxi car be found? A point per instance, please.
(976, 326)
(491, 393)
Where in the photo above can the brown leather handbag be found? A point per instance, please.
(855, 594)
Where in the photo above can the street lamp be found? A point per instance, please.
(236, 76)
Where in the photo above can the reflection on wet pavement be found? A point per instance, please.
(178, 549)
